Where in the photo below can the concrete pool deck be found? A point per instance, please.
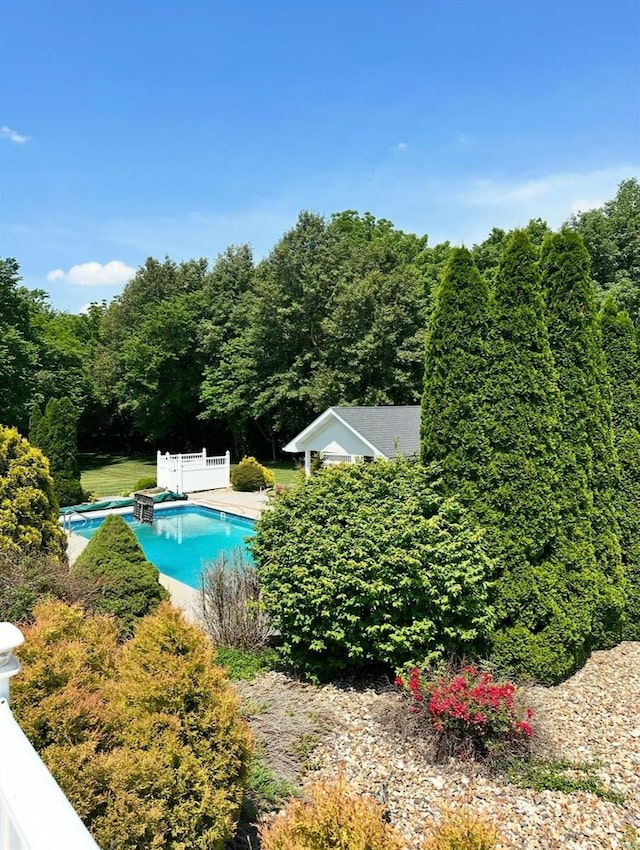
(182, 596)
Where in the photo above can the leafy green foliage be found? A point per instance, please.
(369, 563)
(145, 738)
(612, 238)
(56, 434)
(145, 483)
(629, 526)
(247, 664)
(36, 426)
(586, 415)
(28, 506)
(542, 630)
(487, 254)
(249, 475)
(621, 355)
(125, 584)
(559, 775)
(266, 792)
(454, 404)
(18, 349)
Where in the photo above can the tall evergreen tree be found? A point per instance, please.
(621, 355)
(58, 440)
(586, 422)
(541, 631)
(628, 446)
(36, 426)
(456, 377)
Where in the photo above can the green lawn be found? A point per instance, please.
(110, 475)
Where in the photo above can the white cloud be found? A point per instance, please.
(566, 187)
(401, 146)
(115, 273)
(583, 206)
(8, 133)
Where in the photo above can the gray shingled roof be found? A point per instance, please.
(392, 430)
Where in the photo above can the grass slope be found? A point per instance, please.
(110, 475)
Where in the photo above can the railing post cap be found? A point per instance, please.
(10, 638)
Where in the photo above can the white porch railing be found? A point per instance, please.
(190, 473)
(34, 812)
(329, 458)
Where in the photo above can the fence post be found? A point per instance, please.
(227, 461)
(204, 454)
(180, 474)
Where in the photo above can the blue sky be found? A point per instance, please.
(147, 127)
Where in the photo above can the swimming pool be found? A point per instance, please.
(183, 540)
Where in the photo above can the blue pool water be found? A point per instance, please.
(183, 540)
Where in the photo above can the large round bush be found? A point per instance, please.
(249, 475)
(371, 564)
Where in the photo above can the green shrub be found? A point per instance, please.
(28, 506)
(249, 475)
(369, 563)
(145, 739)
(68, 491)
(125, 583)
(148, 483)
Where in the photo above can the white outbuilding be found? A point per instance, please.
(349, 434)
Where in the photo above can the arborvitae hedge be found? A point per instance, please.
(621, 354)
(36, 426)
(537, 632)
(56, 435)
(28, 506)
(456, 377)
(586, 412)
(125, 583)
(629, 524)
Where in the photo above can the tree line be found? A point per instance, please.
(244, 354)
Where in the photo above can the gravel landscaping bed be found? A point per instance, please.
(593, 717)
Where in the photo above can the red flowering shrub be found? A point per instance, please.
(472, 715)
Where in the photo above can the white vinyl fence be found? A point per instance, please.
(34, 812)
(193, 472)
